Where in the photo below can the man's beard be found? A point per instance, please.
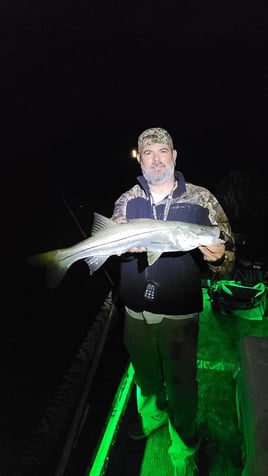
(158, 177)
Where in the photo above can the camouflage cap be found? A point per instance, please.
(153, 136)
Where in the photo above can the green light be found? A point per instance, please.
(217, 363)
(117, 410)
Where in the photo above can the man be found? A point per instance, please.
(163, 301)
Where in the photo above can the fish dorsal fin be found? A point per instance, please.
(153, 256)
(100, 223)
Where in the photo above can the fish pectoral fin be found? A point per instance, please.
(95, 262)
(152, 256)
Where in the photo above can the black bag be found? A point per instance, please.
(233, 299)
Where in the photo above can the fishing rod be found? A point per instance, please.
(59, 192)
(81, 411)
(74, 218)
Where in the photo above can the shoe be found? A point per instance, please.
(136, 430)
(186, 466)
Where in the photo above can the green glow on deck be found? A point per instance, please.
(116, 412)
(217, 362)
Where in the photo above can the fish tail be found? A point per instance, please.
(55, 274)
(54, 266)
(42, 260)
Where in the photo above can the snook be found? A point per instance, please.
(108, 238)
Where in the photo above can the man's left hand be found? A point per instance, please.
(213, 253)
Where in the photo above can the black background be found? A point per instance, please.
(81, 80)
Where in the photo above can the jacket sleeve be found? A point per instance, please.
(119, 211)
(218, 217)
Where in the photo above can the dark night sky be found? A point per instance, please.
(81, 79)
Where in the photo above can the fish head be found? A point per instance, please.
(210, 236)
(191, 235)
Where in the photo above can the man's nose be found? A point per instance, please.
(155, 157)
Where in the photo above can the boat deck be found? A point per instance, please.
(221, 451)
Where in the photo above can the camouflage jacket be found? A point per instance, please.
(177, 275)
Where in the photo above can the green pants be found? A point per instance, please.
(164, 358)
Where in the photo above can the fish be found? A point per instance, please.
(109, 238)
